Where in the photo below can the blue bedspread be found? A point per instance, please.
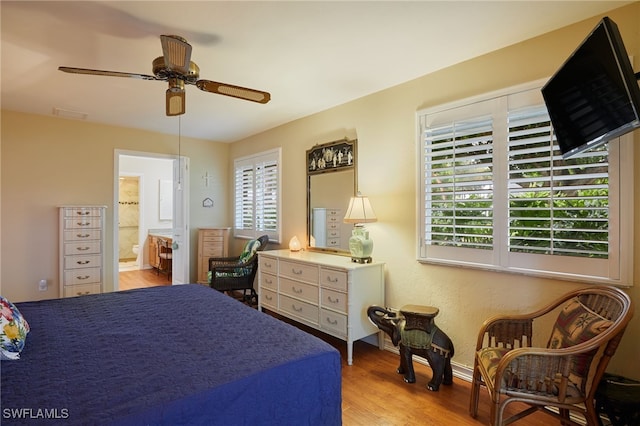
(168, 355)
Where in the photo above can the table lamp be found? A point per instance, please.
(358, 213)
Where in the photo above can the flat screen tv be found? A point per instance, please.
(594, 96)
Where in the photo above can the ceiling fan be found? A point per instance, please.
(176, 68)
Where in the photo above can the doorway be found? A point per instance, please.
(154, 173)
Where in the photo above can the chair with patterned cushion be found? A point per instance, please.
(231, 274)
(557, 378)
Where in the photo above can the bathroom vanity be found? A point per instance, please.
(152, 241)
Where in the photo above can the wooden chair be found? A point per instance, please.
(564, 373)
(165, 253)
(230, 274)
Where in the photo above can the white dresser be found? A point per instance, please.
(81, 250)
(324, 291)
(326, 227)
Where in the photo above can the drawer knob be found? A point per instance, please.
(332, 280)
(83, 223)
(296, 271)
(296, 309)
(82, 248)
(84, 277)
(336, 300)
(83, 235)
(268, 297)
(80, 212)
(295, 290)
(83, 262)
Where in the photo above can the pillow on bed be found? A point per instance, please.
(13, 330)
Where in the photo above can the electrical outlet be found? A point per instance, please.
(42, 286)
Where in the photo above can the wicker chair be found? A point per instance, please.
(230, 274)
(566, 371)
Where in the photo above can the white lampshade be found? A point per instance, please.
(359, 210)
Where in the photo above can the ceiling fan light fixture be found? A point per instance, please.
(175, 102)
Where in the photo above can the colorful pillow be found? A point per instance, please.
(249, 250)
(13, 330)
(576, 324)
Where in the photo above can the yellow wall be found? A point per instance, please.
(49, 161)
(384, 124)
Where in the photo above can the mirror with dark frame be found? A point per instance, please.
(331, 182)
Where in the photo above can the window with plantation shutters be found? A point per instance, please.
(257, 195)
(496, 194)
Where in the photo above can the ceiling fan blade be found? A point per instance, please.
(234, 91)
(177, 53)
(107, 73)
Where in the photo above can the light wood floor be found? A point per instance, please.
(373, 394)
(142, 278)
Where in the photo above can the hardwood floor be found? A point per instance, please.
(373, 394)
(142, 278)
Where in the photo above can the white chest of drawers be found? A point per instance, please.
(326, 227)
(323, 291)
(81, 250)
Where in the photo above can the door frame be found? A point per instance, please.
(181, 258)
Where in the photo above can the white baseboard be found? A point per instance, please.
(460, 371)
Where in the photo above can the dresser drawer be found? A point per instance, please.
(212, 249)
(89, 261)
(70, 212)
(333, 233)
(212, 234)
(299, 271)
(303, 310)
(269, 299)
(333, 279)
(333, 299)
(333, 242)
(81, 290)
(82, 235)
(333, 321)
(83, 223)
(268, 281)
(300, 290)
(268, 264)
(82, 247)
(82, 276)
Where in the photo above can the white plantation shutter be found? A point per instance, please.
(244, 206)
(556, 206)
(458, 177)
(496, 194)
(257, 195)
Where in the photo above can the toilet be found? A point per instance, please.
(136, 251)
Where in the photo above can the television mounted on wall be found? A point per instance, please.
(594, 96)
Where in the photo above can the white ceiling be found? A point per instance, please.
(309, 55)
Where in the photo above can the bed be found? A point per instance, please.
(173, 355)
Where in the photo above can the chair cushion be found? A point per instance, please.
(576, 324)
(488, 359)
(13, 330)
